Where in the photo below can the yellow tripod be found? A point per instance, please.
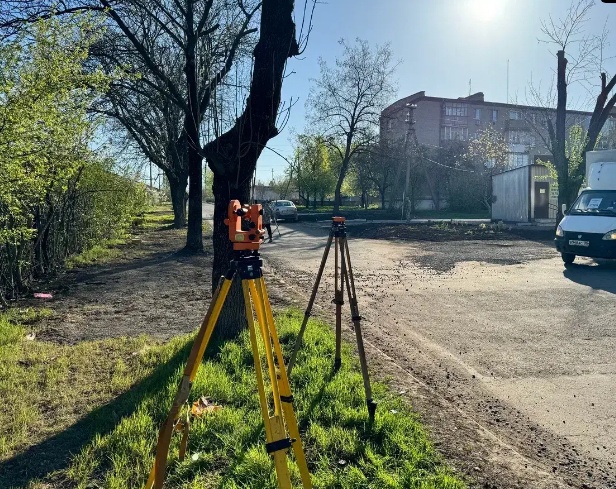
(281, 430)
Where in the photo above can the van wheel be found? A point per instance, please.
(568, 258)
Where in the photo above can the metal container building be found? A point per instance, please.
(524, 194)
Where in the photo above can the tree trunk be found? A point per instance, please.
(177, 187)
(343, 170)
(382, 199)
(232, 157)
(232, 317)
(192, 120)
(560, 159)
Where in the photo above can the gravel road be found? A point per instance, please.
(507, 355)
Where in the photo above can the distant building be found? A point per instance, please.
(438, 121)
(262, 192)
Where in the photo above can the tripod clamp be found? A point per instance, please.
(339, 227)
(247, 264)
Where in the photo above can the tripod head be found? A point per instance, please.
(245, 226)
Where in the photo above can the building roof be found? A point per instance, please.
(474, 99)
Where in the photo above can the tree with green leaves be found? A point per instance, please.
(314, 173)
(157, 31)
(48, 207)
(490, 152)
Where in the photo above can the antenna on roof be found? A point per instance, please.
(469, 87)
(507, 82)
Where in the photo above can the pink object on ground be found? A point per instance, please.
(41, 295)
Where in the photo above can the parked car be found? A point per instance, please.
(285, 209)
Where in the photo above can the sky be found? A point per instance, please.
(445, 48)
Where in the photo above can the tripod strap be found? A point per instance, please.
(278, 445)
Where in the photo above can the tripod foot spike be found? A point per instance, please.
(337, 364)
(371, 408)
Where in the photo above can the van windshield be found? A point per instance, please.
(595, 202)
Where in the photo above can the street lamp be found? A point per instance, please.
(410, 127)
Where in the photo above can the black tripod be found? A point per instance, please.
(337, 235)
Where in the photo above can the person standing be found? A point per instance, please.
(267, 219)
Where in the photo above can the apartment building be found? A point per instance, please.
(437, 121)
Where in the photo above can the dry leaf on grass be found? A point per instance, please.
(204, 406)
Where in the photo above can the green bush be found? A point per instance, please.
(57, 197)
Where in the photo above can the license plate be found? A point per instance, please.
(577, 242)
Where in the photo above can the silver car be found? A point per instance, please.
(285, 209)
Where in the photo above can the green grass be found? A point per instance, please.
(226, 449)
(156, 218)
(105, 252)
(45, 387)
(374, 213)
(447, 214)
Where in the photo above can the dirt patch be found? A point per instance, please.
(433, 250)
(152, 288)
(447, 232)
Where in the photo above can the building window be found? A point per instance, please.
(452, 133)
(455, 110)
(517, 160)
(494, 115)
(516, 136)
(515, 115)
(477, 114)
(390, 124)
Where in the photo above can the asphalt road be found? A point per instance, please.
(517, 338)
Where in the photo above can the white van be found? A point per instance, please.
(589, 227)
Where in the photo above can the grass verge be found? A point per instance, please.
(156, 218)
(46, 387)
(226, 448)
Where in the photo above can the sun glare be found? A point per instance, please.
(487, 10)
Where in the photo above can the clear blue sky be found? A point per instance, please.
(442, 44)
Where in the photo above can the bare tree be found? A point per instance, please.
(345, 102)
(579, 59)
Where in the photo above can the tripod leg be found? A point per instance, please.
(158, 472)
(315, 288)
(257, 300)
(285, 389)
(276, 444)
(347, 273)
(338, 300)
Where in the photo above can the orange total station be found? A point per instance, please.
(245, 225)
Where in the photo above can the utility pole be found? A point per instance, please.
(409, 119)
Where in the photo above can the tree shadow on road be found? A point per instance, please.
(599, 276)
